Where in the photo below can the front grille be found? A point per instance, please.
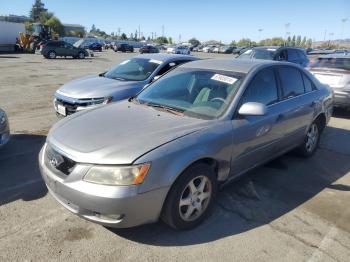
(57, 162)
(84, 102)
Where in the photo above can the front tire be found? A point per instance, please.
(191, 197)
(81, 55)
(311, 141)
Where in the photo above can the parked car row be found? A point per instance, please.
(182, 128)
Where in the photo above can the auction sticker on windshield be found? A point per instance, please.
(155, 61)
(224, 79)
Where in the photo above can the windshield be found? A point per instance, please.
(332, 62)
(135, 69)
(194, 92)
(78, 43)
(267, 54)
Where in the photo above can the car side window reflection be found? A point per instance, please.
(263, 88)
(292, 82)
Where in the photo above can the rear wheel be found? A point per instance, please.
(311, 141)
(51, 55)
(191, 197)
(81, 55)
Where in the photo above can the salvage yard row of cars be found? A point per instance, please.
(181, 129)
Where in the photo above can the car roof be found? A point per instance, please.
(167, 57)
(231, 65)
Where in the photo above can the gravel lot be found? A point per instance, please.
(291, 209)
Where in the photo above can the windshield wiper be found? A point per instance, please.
(119, 78)
(172, 110)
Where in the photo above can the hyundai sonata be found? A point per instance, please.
(164, 153)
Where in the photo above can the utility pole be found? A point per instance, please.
(162, 30)
(260, 30)
(342, 28)
(325, 35)
(139, 33)
(179, 38)
(118, 32)
(287, 25)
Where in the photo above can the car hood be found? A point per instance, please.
(119, 133)
(96, 86)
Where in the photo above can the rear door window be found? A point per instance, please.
(307, 84)
(262, 89)
(292, 82)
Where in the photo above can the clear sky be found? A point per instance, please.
(204, 19)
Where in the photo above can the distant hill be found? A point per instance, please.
(338, 42)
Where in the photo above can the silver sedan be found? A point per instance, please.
(4, 128)
(164, 153)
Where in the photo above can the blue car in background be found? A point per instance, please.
(95, 47)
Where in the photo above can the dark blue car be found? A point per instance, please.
(95, 47)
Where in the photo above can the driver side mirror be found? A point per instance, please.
(155, 78)
(252, 109)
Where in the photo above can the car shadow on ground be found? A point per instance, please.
(258, 198)
(19, 170)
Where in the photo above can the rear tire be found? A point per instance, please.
(51, 55)
(190, 198)
(311, 141)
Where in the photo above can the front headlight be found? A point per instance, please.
(117, 175)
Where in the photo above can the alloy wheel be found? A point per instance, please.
(195, 198)
(312, 138)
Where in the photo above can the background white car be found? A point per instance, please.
(182, 50)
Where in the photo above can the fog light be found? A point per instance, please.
(109, 217)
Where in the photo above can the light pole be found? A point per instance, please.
(162, 30)
(260, 30)
(330, 38)
(287, 25)
(342, 28)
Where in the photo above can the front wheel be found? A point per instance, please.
(81, 55)
(311, 141)
(191, 198)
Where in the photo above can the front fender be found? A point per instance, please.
(170, 160)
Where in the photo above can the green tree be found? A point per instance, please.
(233, 43)
(170, 40)
(136, 36)
(244, 42)
(293, 41)
(162, 40)
(309, 43)
(55, 25)
(289, 41)
(193, 41)
(123, 36)
(298, 41)
(93, 29)
(303, 42)
(45, 16)
(37, 8)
